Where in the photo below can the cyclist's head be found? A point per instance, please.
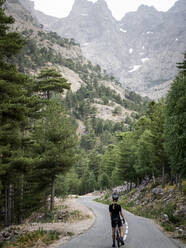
(115, 196)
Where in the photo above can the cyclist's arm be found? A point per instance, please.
(110, 211)
(121, 213)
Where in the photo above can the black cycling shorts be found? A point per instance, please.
(116, 222)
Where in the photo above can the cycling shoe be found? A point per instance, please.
(122, 242)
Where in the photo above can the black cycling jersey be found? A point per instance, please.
(115, 210)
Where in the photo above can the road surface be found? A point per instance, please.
(139, 232)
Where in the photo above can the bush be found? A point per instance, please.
(30, 239)
(184, 187)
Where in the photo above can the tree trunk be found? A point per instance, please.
(171, 178)
(12, 204)
(153, 177)
(163, 176)
(130, 186)
(180, 183)
(127, 187)
(21, 191)
(52, 195)
(48, 95)
(138, 182)
(176, 181)
(9, 201)
(6, 207)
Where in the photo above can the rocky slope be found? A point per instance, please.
(48, 49)
(141, 50)
(166, 206)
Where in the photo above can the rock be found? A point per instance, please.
(62, 215)
(181, 231)
(181, 211)
(165, 218)
(142, 188)
(6, 234)
(1, 238)
(157, 191)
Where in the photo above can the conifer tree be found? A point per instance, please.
(127, 158)
(175, 125)
(54, 147)
(50, 80)
(13, 110)
(17, 107)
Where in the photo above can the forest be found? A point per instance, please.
(43, 156)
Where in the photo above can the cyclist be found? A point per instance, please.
(115, 213)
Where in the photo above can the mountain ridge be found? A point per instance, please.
(141, 49)
(47, 49)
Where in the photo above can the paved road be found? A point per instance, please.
(139, 232)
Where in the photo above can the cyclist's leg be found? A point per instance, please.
(121, 230)
(113, 233)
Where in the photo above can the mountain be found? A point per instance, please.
(44, 19)
(141, 50)
(101, 92)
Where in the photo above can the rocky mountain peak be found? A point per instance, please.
(101, 7)
(81, 7)
(179, 6)
(84, 7)
(147, 9)
(145, 19)
(128, 48)
(101, 3)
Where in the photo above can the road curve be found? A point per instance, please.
(141, 232)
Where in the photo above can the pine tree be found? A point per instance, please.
(182, 66)
(175, 126)
(55, 139)
(10, 42)
(50, 80)
(13, 111)
(127, 160)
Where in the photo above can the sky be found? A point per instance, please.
(61, 8)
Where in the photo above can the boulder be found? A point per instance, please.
(157, 191)
(165, 218)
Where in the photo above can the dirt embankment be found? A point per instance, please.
(75, 227)
(70, 218)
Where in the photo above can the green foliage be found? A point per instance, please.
(10, 42)
(184, 187)
(117, 110)
(145, 153)
(175, 127)
(50, 80)
(127, 157)
(30, 239)
(103, 181)
(169, 209)
(55, 139)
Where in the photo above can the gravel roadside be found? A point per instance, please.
(71, 229)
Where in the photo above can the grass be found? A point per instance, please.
(30, 239)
